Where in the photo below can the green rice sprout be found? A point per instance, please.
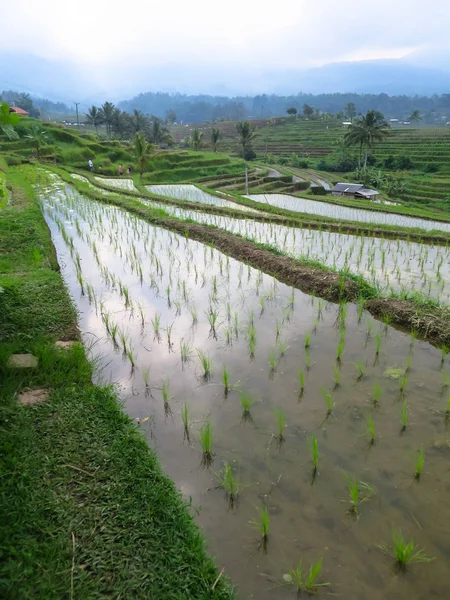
(377, 392)
(404, 553)
(282, 348)
(408, 363)
(226, 380)
(340, 349)
(206, 363)
(314, 451)
(361, 370)
(370, 428)
(377, 343)
(156, 323)
(206, 441)
(310, 583)
(301, 380)
(212, 317)
(229, 482)
(336, 377)
(403, 382)
(273, 358)
(419, 462)
(246, 403)
(262, 522)
(328, 399)
(185, 351)
(165, 391)
(277, 329)
(404, 415)
(307, 360)
(359, 492)
(185, 419)
(146, 376)
(307, 340)
(280, 417)
(194, 315)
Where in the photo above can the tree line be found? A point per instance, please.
(201, 108)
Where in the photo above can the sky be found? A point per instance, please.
(101, 37)
(289, 33)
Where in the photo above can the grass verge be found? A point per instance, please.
(85, 510)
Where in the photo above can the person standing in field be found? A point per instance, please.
(100, 169)
(120, 170)
(91, 165)
(129, 170)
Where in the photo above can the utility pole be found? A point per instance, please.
(78, 120)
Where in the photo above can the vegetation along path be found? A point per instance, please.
(85, 509)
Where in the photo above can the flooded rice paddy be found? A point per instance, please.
(336, 211)
(151, 302)
(185, 191)
(397, 266)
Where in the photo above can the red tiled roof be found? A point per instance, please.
(17, 110)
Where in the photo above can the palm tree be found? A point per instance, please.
(246, 135)
(197, 139)
(95, 117)
(215, 138)
(120, 123)
(350, 111)
(142, 151)
(415, 115)
(158, 133)
(38, 138)
(365, 131)
(108, 115)
(139, 121)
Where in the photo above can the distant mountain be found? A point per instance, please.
(69, 82)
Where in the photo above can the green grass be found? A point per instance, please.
(85, 510)
(404, 553)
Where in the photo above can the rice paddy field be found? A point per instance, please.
(312, 438)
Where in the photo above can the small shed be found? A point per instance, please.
(354, 190)
(18, 111)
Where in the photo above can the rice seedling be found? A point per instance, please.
(229, 482)
(146, 377)
(340, 350)
(408, 363)
(282, 348)
(228, 336)
(165, 391)
(419, 462)
(156, 324)
(246, 403)
(277, 329)
(336, 377)
(403, 382)
(377, 343)
(169, 335)
(370, 428)
(186, 421)
(206, 441)
(377, 392)
(308, 584)
(141, 314)
(404, 553)
(307, 340)
(262, 522)
(280, 417)
(328, 399)
(236, 324)
(185, 351)
(404, 415)
(301, 381)
(212, 316)
(359, 492)
(314, 451)
(131, 357)
(206, 363)
(361, 370)
(273, 359)
(307, 360)
(113, 331)
(194, 315)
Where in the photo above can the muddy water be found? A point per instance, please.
(308, 520)
(336, 211)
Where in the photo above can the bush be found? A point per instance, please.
(303, 163)
(301, 185)
(249, 154)
(345, 165)
(431, 168)
(371, 160)
(389, 162)
(404, 163)
(318, 190)
(13, 161)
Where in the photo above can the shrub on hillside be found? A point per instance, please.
(318, 190)
(249, 154)
(431, 168)
(389, 162)
(345, 165)
(404, 163)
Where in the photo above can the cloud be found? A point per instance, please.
(288, 33)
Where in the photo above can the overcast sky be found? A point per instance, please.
(288, 33)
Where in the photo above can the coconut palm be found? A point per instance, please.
(94, 117)
(197, 139)
(139, 121)
(215, 138)
(350, 111)
(415, 116)
(38, 138)
(8, 121)
(159, 133)
(108, 109)
(246, 135)
(365, 132)
(142, 151)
